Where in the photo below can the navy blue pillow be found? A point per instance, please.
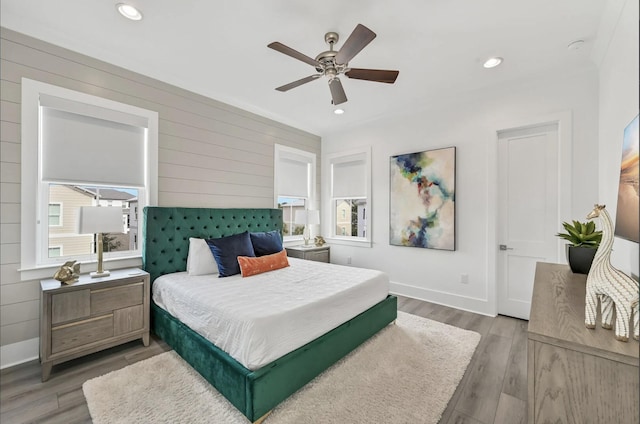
(226, 250)
(266, 243)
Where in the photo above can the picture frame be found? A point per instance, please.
(422, 199)
(627, 221)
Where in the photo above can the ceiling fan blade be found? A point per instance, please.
(293, 53)
(377, 75)
(359, 38)
(294, 84)
(337, 92)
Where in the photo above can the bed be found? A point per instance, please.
(252, 391)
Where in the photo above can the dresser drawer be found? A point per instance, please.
(68, 336)
(128, 319)
(109, 299)
(320, 256)
(70, 306)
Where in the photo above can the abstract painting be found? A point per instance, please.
(422, 199)
(627, 225)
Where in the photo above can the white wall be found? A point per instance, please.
(469, 123)
(618, 76)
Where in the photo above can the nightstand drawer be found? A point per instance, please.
(128, 319)
(70, 306)
(109, 299)
(312, 253)
(68, 336)
(319, 256)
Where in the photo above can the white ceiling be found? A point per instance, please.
(219, 48)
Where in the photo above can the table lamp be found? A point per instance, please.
(307, 217)
(99, 220)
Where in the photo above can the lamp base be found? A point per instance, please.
(100, 274)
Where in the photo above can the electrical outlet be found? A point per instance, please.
(464, 278)
(348, 260)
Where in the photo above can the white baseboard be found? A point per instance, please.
(18, 353)
(465, 303)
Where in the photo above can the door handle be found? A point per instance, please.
(504, 247)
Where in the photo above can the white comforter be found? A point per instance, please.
(261, 318)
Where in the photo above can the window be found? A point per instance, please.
(55, 214)
(351, 219)
(350, 176)
(66, 236)
(294, 184)
(81, 150)
(289, 206)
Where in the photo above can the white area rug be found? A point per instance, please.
(405, 374)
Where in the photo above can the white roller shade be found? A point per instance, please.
(77, 148)
(293, 174)
(349, 178)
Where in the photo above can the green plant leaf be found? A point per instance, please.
(578, 226)
(581, 234)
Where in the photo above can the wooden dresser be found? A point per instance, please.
(92, 314)
(576, 375)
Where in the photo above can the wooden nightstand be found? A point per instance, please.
(314, 253)
(92, 314)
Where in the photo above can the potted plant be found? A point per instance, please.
(584, 241)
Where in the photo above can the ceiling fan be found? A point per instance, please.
(332, 63)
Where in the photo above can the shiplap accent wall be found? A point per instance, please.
(210, 154)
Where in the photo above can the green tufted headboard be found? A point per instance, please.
(165, 235)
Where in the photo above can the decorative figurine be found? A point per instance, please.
(68, 272)
(319, 241)
(610, 285)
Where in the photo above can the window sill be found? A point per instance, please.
(47, 271)
(348, 242)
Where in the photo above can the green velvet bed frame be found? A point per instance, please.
(165, 246)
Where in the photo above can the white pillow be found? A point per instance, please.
(200, 260)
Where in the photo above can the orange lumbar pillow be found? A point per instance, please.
(251, 266)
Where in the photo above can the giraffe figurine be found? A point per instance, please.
(609, 285)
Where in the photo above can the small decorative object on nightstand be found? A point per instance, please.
(311, 253)
(91, 315)
(68, 273)
(319, 241)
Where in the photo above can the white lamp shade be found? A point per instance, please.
(100, 219)
(307, 217)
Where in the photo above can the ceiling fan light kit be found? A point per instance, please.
(331, 63)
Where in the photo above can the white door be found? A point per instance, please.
(528, 212)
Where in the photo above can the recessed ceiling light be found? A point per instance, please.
(338, 111)
(492, 62)
(129, 11)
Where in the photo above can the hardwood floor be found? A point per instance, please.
(494, 387)
(493, 390)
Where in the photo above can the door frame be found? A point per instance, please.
(564, 120)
